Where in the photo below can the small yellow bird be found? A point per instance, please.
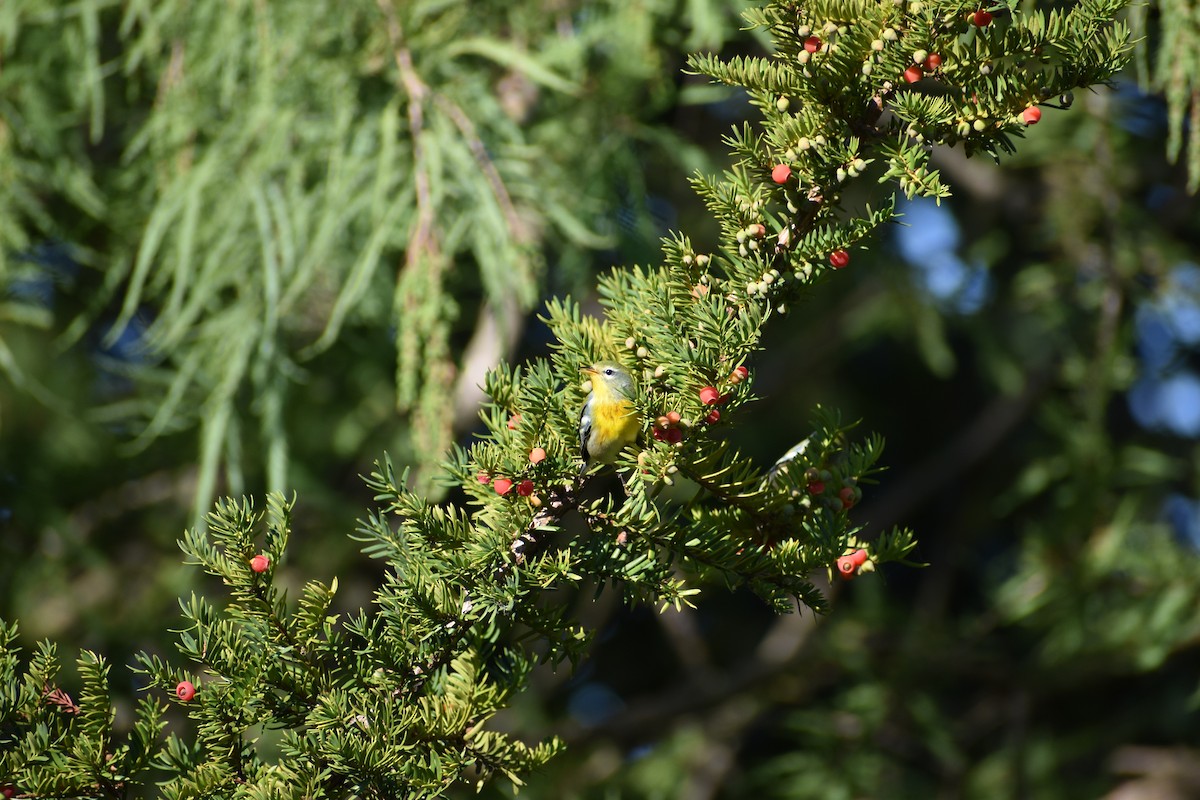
(609, 420)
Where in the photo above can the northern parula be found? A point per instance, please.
(609, 420)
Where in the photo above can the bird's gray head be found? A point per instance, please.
(608, 377)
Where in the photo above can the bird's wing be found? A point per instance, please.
(585, 428)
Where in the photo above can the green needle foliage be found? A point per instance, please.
(292, 700)
(249, 186)
(1173, 73)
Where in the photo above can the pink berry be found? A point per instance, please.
(483, 477)
(847, 567)
(537, 455)
(1031, 115)
(839, 258)
(782, 173)
(757, 230)
(502, 485)
(260, 563)
(525, 488)
(859, 557)
(673, 417)
(710, 396)
(185, 691)
(514, 421)
(981, 18)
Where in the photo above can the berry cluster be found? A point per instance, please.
(923, 63)
(666, 428)
(712, 396)
(821, 483)
(525, 487)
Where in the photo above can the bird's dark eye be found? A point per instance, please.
(608, 371)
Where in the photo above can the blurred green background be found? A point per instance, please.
(233, 260)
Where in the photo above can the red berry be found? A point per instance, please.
(812, 44)
(1031, 115)
(713, 416)
(659, 434)
(839, 258)
(483, 477)
(847, 567)
(710, 396)
(673, 417)
(537, 455)
(185, 691)
(781, 173)
(514, 421)
(738, 375)
(981, 18)
(913, 74)
(934, 61)
(525, 488)
(673, 435)
(260, 563)
(859, 557)
(846, 494)
(816, 487)
(8, 791)
(502, 485)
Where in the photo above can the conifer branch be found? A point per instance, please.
(396, 701)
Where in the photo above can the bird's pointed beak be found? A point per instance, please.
(588, 370)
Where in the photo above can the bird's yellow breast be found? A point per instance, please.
(614, 425)
(617, 416)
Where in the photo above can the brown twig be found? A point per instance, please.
(417, 93)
